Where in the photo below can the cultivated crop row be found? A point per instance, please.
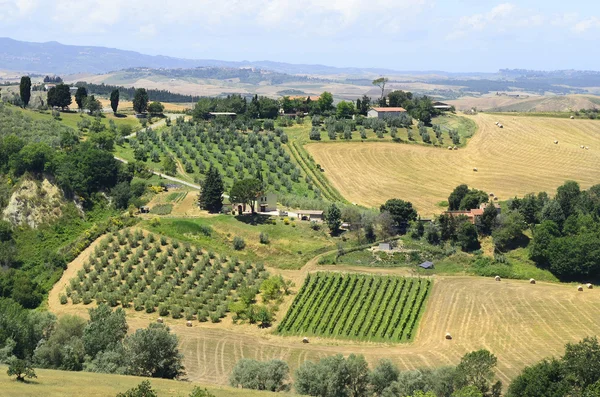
(237, 153)
(154, 273)
(353, 306)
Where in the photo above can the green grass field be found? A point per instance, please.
(362, 307)
(71, 119)
(290, 246)
(53, 383)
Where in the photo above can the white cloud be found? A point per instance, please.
(147, 31)
(586, 24)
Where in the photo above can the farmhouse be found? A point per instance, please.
(382, 113)
(267, 202)
(474, 213)
(310, 215)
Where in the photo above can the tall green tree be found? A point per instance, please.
(325, 102)
(59, 96)
(25, 90)
(80, 97)
(334, 218)
(154, 352)
(476, 369)
(467, 237)
(92, 104)
(140, 100)
(156, 108)
(401, 211)
(456, 197)
(381, 82)
(114, 100)
(105, 329)
(211, 195)
(246, 191)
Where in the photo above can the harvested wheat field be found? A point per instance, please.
(517, 159)
(519, 322)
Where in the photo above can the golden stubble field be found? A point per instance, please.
(517, 159)
(519, 322)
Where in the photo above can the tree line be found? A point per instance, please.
(576, 373)
(38, 339)
(128, 93)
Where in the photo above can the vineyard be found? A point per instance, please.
(235, 151)
(353, 306)
(155, 273)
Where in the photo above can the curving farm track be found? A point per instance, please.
(517, 159)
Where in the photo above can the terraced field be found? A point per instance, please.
(517, 159)
(352, 306)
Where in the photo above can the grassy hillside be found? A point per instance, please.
(52, 383)
(517, 159)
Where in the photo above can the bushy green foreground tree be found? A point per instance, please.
(98, 345)
(576, 373)
(271, 375)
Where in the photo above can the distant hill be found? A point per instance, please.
(57, 58)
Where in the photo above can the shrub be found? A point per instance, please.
(63, 299)
(264, 238)
(149, 304)
(163, 310)
(21, 368)
(176, 311)
(239, 243)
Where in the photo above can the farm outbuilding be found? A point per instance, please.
(386, 246)
(144, 209)
(382, 113)
(426, 265)
(310, 215)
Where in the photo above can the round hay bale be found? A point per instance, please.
(449, 147)
(455, 148)
(531, 281)
(475, 169)
(582, 147)
(556, 142)
(497, 278)
(159, 320)
(580, 288)
(189, 323)
(305, 340)
(589, 286)
(497, 122)
(448, 336)
(587, 148)
(572, 117)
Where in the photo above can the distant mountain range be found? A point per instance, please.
(57, 58)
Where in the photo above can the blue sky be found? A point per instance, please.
(457, 36)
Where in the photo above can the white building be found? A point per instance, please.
(267, 203)
(382, 113)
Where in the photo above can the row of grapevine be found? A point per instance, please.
(353, 306)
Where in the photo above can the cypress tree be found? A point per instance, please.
(25, 90)
(80, 97)
(114, 100)
(211, 196)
